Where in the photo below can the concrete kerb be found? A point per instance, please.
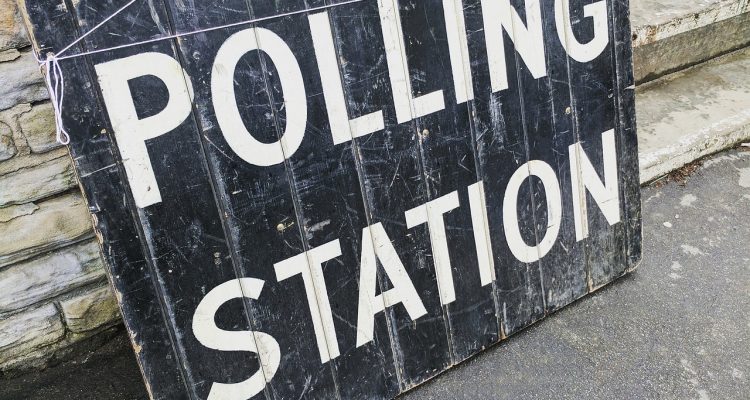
(689, 115)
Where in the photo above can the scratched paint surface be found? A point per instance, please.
(342, 199)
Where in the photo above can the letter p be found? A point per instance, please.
(130, 131)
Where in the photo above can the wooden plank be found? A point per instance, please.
(184, 239)
(393, 182)
(501, 150)
(258, 205)
(330, 205)
(594, 111)
(447, 154)
(548, 125)
(628, 144)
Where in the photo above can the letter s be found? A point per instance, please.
(211, 336)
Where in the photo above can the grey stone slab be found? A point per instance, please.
(675, 53)
(29, 330)
(11, 212)
(676, 328)
(38, 182)
(22, 161)
(654, 20)
(669, 35)
(694, 113)
(90, 310)
(57, 223)
(48, 276)
(7, 147)
(21, 82)
(38, 127)
(12, 32)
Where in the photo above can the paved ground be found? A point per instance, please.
(677, 328)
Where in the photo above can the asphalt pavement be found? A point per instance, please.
(676, 328)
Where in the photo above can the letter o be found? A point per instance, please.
(236, 134)
(518, 247)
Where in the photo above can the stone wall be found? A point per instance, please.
(54, 296)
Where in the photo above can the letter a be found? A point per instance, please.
(376, 244)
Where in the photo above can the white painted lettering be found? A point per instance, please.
(582, 52)
(518, 247)
(584, 176)
(528, 39)
(132, 132)
(225, 103)
(376, 245)
(211, 336)
(317, 293)
(407, 106)
(458, 48)
(432, 213)
(342, 128)
(481, 230)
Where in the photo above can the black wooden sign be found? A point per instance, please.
(341, 199)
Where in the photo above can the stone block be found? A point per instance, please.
(9, 55)
(30, 282)
(29, 330)
(21, 161)
(90, 310)
(57, 223)
(7, 148)
(12, 32)
(21, 82)
(693, 113)
(9, 118)
(10, 212)
(38, 182)
(38, 126)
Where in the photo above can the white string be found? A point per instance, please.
(56, 82)
(99, 25)
(54, 74)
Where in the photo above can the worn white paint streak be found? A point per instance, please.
(458, 49)
(342, 128)
(310, 265)
(481, 226)
(407, 106)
